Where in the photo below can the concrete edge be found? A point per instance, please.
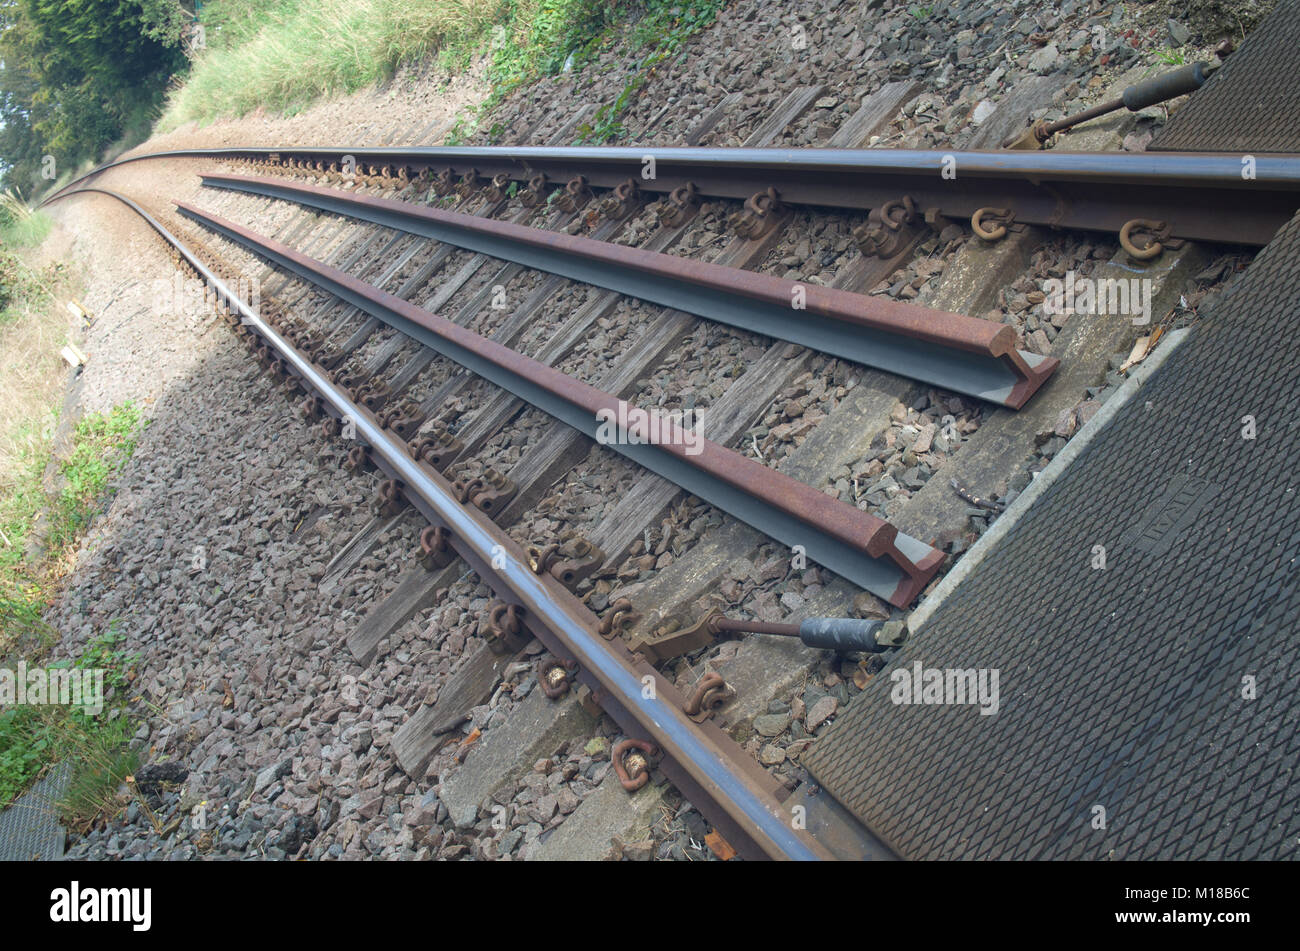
(1044, 480)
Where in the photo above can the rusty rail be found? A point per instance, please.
(705, 763)
(855, 544)
(964, 354)
(1203, 196)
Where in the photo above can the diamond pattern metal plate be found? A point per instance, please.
(1252, 104)
(29, 828)
(1126, 689)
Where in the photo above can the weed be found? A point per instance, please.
(662, 31)
(101, 444)
(35, 737)
(20, 225)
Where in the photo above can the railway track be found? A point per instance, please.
(1076, 190)
(621, 296)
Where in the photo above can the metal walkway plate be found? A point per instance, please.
(29, 829)
(1250, 105)
(1147, 709)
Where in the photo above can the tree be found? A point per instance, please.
(75, 75)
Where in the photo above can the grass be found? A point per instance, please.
(22, 591)
(21, 226)
(284, 54)
(32, 332)
(101, 445)
(35, 737)
(26, 232)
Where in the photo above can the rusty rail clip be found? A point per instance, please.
(583, 561)
(435, 548)
(761, 212)
(319, 352)
(622, 201)
(888, 228)
(312, 408)
(500, 184)
(680, 206)
(374, 395)
(711, 692)
(575, 194)
(541, 559)
(404, 419)
(504, 628)
(618, 620)
(469, 183)
(350, 380)
(535, 193)
(389, 499)
(553, 677)
(632, 764)
(462, 489)
(1155, 235)
(444, 183)
(358, 459)
(1002, 219)
(438, 448)
(492, 492)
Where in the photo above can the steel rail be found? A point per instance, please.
(860, 547)
(964, 354)
(1202, 196)
(702, 760)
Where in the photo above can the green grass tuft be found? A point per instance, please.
(34, 738)
(21, 226)
(101, 445)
